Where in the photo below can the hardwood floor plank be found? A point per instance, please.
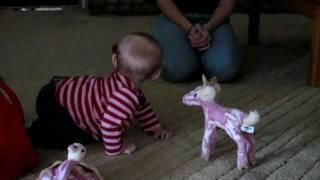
(301, 162)
(296, 103)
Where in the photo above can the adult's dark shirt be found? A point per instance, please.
(197, 6)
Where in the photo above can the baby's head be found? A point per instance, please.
(138, 56)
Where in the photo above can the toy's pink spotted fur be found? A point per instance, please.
(229, 119)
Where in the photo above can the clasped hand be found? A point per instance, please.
(199, 37)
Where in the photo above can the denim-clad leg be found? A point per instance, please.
(180, 62)
(222, 59)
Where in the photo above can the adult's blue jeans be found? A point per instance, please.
(182, 62)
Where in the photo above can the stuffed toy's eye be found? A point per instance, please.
(82, 150)
(195, 95)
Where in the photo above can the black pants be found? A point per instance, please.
(55, 128)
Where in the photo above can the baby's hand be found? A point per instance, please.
(162, 134)
(128, 148)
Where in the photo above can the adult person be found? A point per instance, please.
(197, 38)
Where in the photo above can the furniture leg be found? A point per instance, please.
(254, 22)
(314, 72)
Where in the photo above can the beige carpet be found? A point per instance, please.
(35, 46)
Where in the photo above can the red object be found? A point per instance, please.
(16, 153)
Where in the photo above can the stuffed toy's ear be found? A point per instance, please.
(213, 80)
(204, 80)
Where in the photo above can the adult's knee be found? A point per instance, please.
(225, 75)
(226, 68)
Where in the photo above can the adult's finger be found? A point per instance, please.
(204, 48)
(204, 43)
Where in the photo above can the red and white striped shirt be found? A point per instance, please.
(104, 107)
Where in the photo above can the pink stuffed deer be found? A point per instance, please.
(237, 124)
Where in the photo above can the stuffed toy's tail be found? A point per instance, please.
(252, 119)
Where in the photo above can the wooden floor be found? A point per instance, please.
(274, 83)
(288, 136)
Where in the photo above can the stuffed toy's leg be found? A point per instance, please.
(242, 143)
(251, 148)
(208, 141)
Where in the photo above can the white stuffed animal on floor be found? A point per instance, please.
(72, 168)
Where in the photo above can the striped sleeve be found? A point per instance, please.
(121, 106)
(147, 118)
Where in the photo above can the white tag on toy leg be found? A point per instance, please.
(248, 129)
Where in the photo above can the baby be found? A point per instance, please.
(83, 108)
